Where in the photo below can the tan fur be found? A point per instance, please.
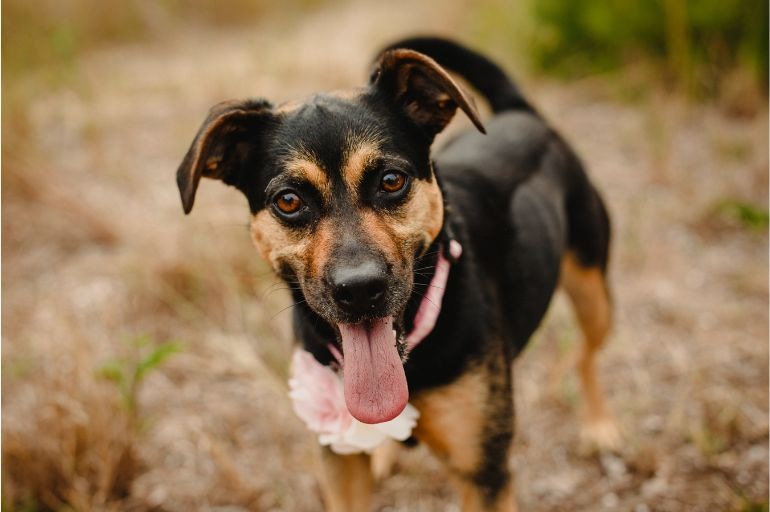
(452, 419)
(347, 94)
(420, 221)
(303, 167)
(587, 290)
(323, 240)
(384, 458)
(344, 94)
(275, 243)
(382, 234)
(472, 501)
(356, 162)
(452, 423)
(288, 107)
(346, 482)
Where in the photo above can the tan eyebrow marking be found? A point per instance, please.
(302, 167)
(356, 162)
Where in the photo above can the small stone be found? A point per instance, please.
(653, 487)
(610, 500)
(613, 466)
(653, 423)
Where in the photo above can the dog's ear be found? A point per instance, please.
(424, 90)
(232, 132)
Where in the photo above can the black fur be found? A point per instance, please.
(483, 74)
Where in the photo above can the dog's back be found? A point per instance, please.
(520, 191)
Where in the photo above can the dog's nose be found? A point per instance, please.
(359, 290)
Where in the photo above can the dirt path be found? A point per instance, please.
(96, 251)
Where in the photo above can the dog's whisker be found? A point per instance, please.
(287, 307)
(278, 286)
(428, 285)
(281, 289)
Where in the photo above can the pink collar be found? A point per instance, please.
(430, 307)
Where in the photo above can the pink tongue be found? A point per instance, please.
(375, 383)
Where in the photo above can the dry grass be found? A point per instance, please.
(67, 442)
(97, 253)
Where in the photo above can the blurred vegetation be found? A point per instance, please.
(748, 215)
(749, 506)
(76, 446)
(52, 33)
(43, 39)
(698, 47)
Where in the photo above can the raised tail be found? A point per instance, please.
(483, 74)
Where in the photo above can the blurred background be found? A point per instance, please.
(144, 353)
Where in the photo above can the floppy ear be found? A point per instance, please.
(232, 132)
(423, 89)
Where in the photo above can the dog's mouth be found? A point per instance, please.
(373, 373)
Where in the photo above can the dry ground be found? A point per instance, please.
(97, 254)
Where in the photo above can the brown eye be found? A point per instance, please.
(288, 202)
(392, 182)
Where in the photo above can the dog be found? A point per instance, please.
(419, 276)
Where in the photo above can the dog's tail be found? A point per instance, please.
(483, 74)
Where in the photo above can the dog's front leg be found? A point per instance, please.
(346, 481)
(469, 425)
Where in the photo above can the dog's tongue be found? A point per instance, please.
(375, 383)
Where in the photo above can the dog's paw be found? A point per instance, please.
(601, 435)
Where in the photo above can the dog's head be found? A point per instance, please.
(344, 201)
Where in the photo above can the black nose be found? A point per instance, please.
(359, 290)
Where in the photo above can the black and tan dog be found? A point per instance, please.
(349, 204)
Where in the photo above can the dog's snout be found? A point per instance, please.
(359, 290)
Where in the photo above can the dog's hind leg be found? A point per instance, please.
(587, 289)
(346, 482)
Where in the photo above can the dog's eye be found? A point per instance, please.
(288, 202)
(392, 181)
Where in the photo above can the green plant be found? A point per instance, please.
(128, 373)
(748, 215)
(749, 506)
(694, 44)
